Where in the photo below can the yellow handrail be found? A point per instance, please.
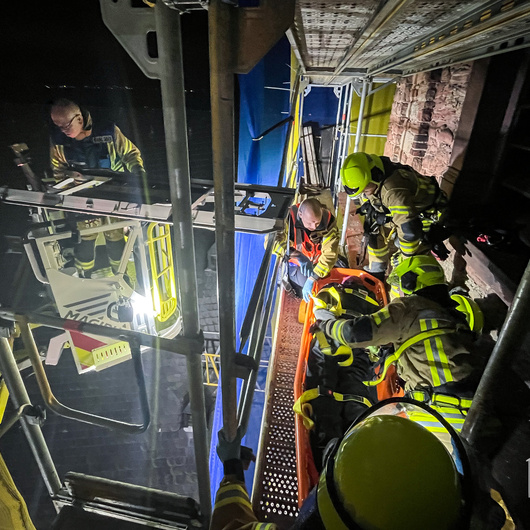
(163, 285)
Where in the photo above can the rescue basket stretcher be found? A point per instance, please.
(306, 469)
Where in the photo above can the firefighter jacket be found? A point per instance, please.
(321, 245)
(105, 148)
(443, 357)
(409, 198)
(232, 509)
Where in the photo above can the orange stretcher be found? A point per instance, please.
(305, 466)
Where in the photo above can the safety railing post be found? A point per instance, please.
(174, 109)
(510, 340)
(19, 397)
(222, 61)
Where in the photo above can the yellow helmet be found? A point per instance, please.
(329, 298)
(389, 473)
(356, 172)
(415, 273)
(471, 310)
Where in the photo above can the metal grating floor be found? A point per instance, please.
(275, 493)
(336, 40)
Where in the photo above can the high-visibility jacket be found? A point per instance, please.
(321, 245)
(409, 198)
(105, 148)
(232, 509)
(444, 357)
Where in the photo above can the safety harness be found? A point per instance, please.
(424, 335)
(302, 406)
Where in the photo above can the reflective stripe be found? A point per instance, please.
(434, 349)
(425, 335)
(456, 420)
(381, 316)
(397, 210)
(377, 252)
(336, 331)
(229, 490)
(232, 493)
(321, 270)
(85, 265)
(341, 350)
(409, 247)
(233, 500)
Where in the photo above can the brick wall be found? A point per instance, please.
(424, 118)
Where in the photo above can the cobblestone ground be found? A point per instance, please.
(162, 457)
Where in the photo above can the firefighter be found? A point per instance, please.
(398, 199)
(313, 245)
(76, 142)
(357, 488)
(434, 345)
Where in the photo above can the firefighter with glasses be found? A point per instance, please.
(77, 143)
(398, 200)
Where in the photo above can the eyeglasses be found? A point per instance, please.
(68, 125)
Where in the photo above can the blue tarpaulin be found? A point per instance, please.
(258, 163)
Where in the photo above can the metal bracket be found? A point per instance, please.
(259, 28)
(130, 25)
(244, 365)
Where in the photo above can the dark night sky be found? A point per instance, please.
(46, 45)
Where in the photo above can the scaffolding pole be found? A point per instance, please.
(222, 28)
(174, 109)
(510, 340)
(367, 86)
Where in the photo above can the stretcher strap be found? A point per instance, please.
(304, 409)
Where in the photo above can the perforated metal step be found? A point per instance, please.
(276, 486)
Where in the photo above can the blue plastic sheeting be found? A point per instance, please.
(320, 106)
(258, 163)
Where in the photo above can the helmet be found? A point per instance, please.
(389, 472)
(415, 273)
(471, 310)
(356, 172)
(329, 298)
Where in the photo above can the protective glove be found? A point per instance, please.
(229, 450)
(308, 289)
(396, 259)
(323, 315)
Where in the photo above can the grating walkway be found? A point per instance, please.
(276, 490)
